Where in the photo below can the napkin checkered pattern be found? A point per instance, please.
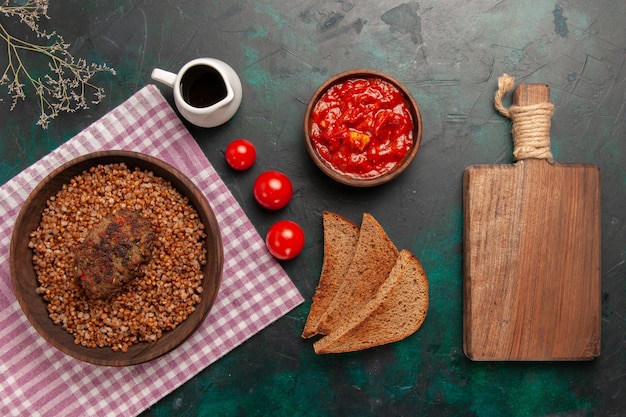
(39, 380)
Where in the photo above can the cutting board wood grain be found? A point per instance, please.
(531, 257)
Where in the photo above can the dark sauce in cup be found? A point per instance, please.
(202, 86)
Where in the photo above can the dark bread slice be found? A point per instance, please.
(373, 259)
(340, 240)
(397, 311)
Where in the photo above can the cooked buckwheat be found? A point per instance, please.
(170, 286)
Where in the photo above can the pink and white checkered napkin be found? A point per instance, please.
(39, 380)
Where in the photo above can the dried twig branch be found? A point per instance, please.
(65, 84)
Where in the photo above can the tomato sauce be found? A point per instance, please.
(362, 127)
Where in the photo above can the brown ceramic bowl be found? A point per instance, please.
(25, 280)
(343, 177)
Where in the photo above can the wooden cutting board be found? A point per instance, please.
(531, 256)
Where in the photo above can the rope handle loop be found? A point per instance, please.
(531, 124)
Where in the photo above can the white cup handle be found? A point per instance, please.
(165, 77)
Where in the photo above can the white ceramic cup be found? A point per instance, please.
(207, 91)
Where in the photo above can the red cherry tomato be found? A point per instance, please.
(240, 154)
(285, 239)
(273, 190)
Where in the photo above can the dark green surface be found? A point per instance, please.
(449, 54)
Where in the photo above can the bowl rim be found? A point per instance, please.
(24, 278)
(333, 173)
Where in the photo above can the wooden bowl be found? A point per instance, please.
(348, 179)
(25, 281)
